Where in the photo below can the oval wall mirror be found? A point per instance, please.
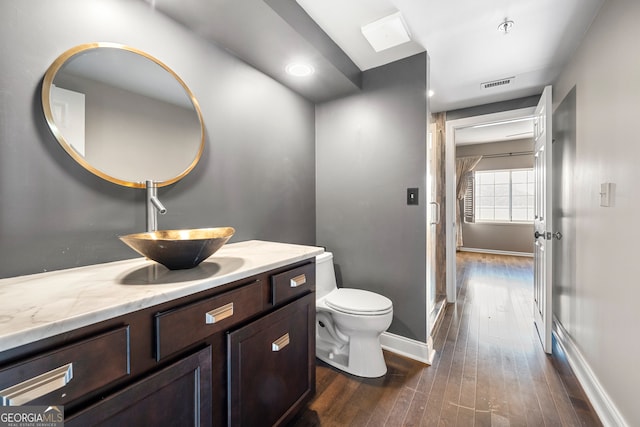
(123, 115)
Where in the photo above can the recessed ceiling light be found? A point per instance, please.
(430, 93)
(299, 69)
(386, 32)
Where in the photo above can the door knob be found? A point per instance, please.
(557, 235)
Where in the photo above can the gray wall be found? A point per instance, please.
(499, 237)
(604, 300)
(369, 148)
(256, 174)
(564, 208)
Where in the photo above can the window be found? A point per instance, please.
(500, 196)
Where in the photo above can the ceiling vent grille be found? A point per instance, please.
(496, 83)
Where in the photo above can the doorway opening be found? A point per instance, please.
(495, 128)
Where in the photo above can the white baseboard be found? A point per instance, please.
(602, 403)
(416, 350)
(496, 252)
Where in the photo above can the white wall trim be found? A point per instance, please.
(496, 252)
(450, 179)
(416, 350)
(602, 403)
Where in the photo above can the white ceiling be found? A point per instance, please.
(461, 37)
(463, 41)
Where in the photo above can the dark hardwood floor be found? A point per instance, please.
(489, 368)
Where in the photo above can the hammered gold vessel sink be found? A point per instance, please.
(179, 249)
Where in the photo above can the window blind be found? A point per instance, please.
(469, 208)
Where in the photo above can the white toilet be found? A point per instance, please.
(349, 323)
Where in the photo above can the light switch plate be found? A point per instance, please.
(606, 194)
(412, 196)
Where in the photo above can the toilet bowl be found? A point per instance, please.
(349, 323)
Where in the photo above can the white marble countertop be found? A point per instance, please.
(42, 305)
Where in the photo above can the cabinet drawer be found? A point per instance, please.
(179, 328)
(68, 373)
(272, 365)
(291, 283)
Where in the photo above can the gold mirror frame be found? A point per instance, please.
(46, 105)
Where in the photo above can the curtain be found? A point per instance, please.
(464, 166)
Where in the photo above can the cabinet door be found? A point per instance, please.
(272, 365)
(178, 395)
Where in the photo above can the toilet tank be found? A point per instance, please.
(325, 274)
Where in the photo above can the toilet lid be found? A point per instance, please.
(358, 301)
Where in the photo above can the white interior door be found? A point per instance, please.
(543, 274)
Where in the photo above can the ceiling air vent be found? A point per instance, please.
(496, 83)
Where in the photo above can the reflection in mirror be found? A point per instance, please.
(123, 115)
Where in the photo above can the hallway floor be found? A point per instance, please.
(489, 368)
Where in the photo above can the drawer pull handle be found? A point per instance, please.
(36, 387)
(298, 281)
(280, 343)
(219, 314)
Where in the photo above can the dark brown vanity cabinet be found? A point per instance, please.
(241, 353)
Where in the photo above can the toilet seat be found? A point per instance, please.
(359, 302)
